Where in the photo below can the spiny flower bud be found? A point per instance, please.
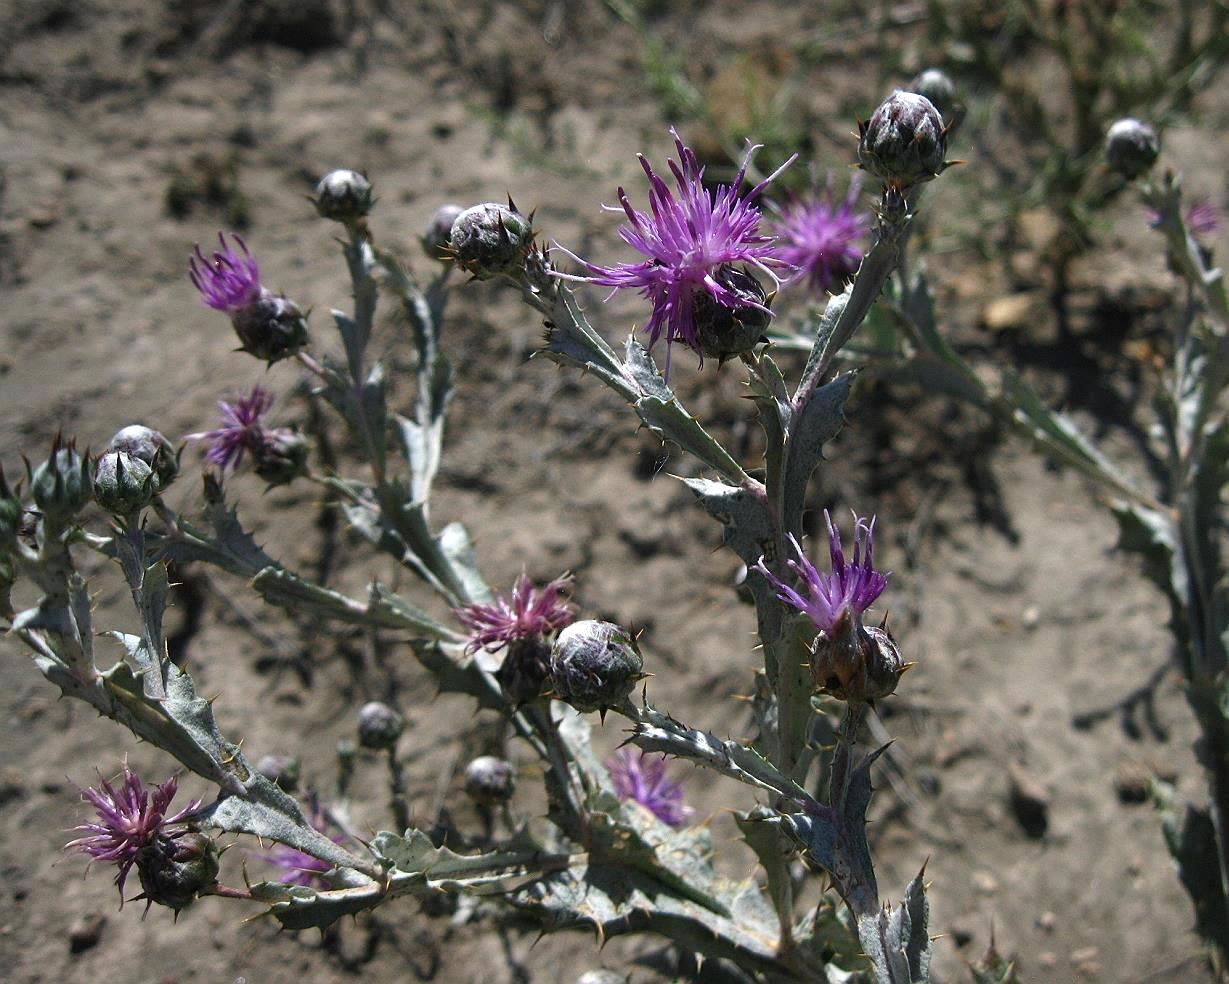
(490, 781)
(938, 87)
(271, 328)
(594, 665)
(524, 673)
(379, 726)
(343, 196)
(123, 484)
(1131, 148)
(437, 238)
(174, 870)
(284, 770)
(490, 239)
(723, 331)
(63, 484)
(151, 447)
(905, 141)
(281, 456)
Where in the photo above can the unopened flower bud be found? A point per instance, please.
(281, 456)
(490, 781)
(938, 87)
(594, 665)
(63, 484)
(175, 869)
(343, 196)
(856, 663)
(905, 141)
(1131, 148)
(271, 327)
(524, 673)
(725, 331)
(284, 770)
(123, 484)
(437, 238)
(379, 726)
(490, 239)
(151, 447)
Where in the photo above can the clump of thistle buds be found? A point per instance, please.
(151, 447)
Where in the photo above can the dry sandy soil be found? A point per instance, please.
(1024, 622)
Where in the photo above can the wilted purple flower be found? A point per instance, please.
(830, 598)
(1201, 218)
(296, 867)
(528, 612)
(227, 281)
(819, 235)
(128, 819)
(686, 239)
(641, 777)
(241, 429)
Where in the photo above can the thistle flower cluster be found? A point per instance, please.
(642, 778)
(849, 660)
(818, 236)
(279, 453)
(691, 239)
(129, 818)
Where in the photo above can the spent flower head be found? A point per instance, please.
(227, 281)
(527, 612)
(819, 235)
(689, 234)
(128, 819)
(829, 599)
(241, 429)
(639, 776)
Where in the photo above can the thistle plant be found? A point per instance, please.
(620, 852)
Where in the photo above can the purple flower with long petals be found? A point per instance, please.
(642, 777)
(128, 819)
(819, 236)
(241, 429)
(687, 237)
(529, 611)
(227, 280)
(847, 592)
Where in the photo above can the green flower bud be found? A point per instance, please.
(343, 196)
(1131, 148)
(490, 781)
(379, 726)
(151, 447)
(723, 332)
(63, 484)
(594, 665)
(905, 141)
(281, 456)
(123, 484)
(174, 870)
(488, 240)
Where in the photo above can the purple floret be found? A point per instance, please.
(686, 239)
(1201, 218)
(227, 280)
(128, 819)
(528, 612)
(296, 867)
(241, 429)
(642, 777)
(847, 592)
(819, 236)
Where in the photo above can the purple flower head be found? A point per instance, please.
(819, 235)
(1201, 218)
(241, 429)
(686, 238)
(846, 593)
(128, 819)
(528, 612)
(227, 280)
(296, 867)
(641, 777)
